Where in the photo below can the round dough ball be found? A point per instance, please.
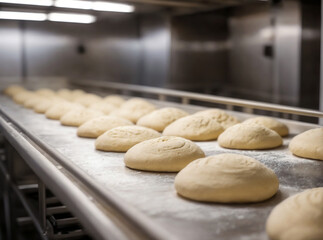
(45, 92)
(58, 109)
(76, 93)
(23, 96)
(299, 217)
(249, 136)
(308, 144)
(13, 90)
(45, 104)
(32, 101)
(65, 94)
(97, 126)
(270, 123)
(76, 117)
(161, 118)
(87, 99)
(164, 154)
(226, 178)
(103, 106)
(226, 120)
(195, 127)
(121, 139)
(134, 109)
(114, 100)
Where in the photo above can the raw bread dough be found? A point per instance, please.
(164, 154)
(114, 100)
(195, 127)
(45, 92)
(97, 126)
(87, 99)
(226, 120)
(299, 217)
(13, 90)
(226, 178)
(65, 94)
(120, 139)
(23, 96)
(33, 101)
(308, 144)
(76, 117)
(45, 104)
(134, 109)
(161, 118)
(57, 110)
(249, 136)
(103, 106)
(270, 123)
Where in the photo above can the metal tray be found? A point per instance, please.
(153, 194)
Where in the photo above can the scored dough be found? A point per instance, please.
(164, 154)
(226, 120)
(249, 136)
(97, 126)
(120, 139)
(299, 217)
(270, 123)
(87, 99)
(103, 106)
(161, 118)
(134, 109)
(76, 117)
(195, 127)
(226, 178)
(57, 110)
(115, 100)
(308, 144)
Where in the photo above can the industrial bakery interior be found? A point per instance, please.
(161, 119)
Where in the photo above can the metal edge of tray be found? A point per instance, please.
(201, 97)
(135, 220)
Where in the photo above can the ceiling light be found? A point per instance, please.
(73, 4)
(30, 2)
(71, 17)
(112, 7)
(23, 16)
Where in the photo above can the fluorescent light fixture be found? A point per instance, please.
(30, 2)
(23, 16)
(112, 7)
(71, 17)
(74, 4)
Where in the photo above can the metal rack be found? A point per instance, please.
(103, 210)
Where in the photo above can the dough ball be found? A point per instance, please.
(134, 109)
(45, 104)
(45, 92)
(76, 117)
(23, 96)
(270, 123)
(299, 217)
(32, 101)
(121, 139)
(65, 94)
(226, 178)
(163, 154)
(57, 110)
(161, 118)
(103, 106)
(195, 127)
(76, 93)
(87, 99)
(97, 126)
(308, 144)
(226, 120)
(114, 100)
(249, 136)
(13, 90)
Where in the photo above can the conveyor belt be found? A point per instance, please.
(153, 194)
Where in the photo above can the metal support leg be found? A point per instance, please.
(42, 206)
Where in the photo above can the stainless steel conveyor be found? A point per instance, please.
(114, 202)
